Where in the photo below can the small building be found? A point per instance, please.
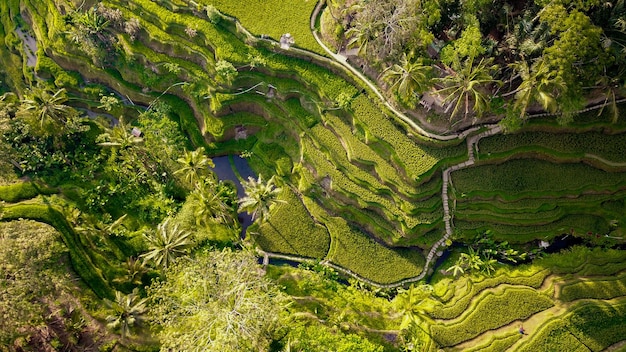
(136, 132)
(432, 99)
(286, 41)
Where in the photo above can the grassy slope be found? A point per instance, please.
(273, 18)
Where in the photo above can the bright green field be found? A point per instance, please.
(274, 18)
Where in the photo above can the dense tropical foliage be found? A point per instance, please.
(158, 160)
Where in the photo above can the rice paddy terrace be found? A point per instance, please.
(364, 191)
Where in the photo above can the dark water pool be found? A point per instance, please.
(235, 168)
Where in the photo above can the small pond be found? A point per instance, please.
(235, 168)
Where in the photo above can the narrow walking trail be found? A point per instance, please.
(470, 135)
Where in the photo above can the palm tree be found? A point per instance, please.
(46, 106)
(412, 304)
(457, 268)
(408, 78)
(128, 310)
(120, 136)
(194, 164)
(613, 87)
(211, 203)
(260, 196)
(468, 83)
(471, 259)
(362, 33)
(134, 271)
(165, 244)
(539, 83)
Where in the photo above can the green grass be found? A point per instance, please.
(492, 310)
(520, 178)
(607, 146)
(596, 324)
(292, 230)
(273, 18)
(353, 250)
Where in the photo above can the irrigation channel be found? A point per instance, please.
(472, 136)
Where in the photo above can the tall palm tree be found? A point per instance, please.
(408, 78)
(260, 196)
(46, 106)
(362, 33)
(194, 165)
(468, 84)
(211, 203)
(539, 84)
(119, 136)
(165, 244)
(128, 311)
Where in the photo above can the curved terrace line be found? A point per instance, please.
(491, 129)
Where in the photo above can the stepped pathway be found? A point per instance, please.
(447, 217)
(339, 60)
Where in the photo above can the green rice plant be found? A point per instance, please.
(491, 310)
(291, 229)
(519, 178)
(596, 288)
(359, 151)
(279, 17)
(607, 146)
(586, 261)
(296, 111)
(417, 160)
(590, 325)
(361, 192)
(81, 261)
(498, 343)
(532, 204)
(579, 223)
(353, 250)
(466, 290)
(245, 119)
